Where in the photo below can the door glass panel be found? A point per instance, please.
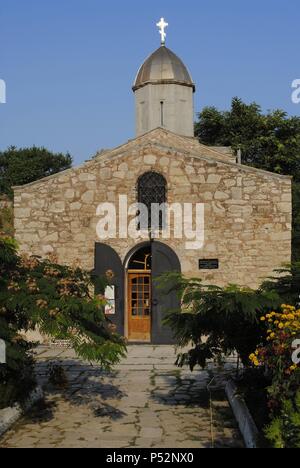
(139, 307)
(140, 296)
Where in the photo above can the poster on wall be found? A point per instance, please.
(110, 296)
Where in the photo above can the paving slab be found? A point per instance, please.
(146, 402)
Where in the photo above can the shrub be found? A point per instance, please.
(60, 302)
(6, 221)
(217, 321)
(276, 357)
(285, 283)
(284, 431)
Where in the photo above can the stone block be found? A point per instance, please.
(150, 160)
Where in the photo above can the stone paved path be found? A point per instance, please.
(146, 402)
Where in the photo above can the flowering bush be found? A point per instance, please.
(60, 301)
(283, 328)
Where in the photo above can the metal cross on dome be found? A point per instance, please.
(162, 25)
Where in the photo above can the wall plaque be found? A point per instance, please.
(209, 264)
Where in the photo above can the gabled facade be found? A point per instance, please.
(245, 214)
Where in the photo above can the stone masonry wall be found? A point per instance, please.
(247, 211)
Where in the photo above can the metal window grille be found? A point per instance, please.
(152, 189)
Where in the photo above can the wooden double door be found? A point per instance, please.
(139, 307)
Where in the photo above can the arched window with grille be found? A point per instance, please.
(152, 189)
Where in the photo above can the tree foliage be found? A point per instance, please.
(216, 321)
(219, 321)
(268, 141)
(25, 165)
(6, 221)
(284, 430)
(57, 299)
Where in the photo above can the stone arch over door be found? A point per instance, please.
(164, 260)
(106, 258)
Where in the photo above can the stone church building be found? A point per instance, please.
(247, 212)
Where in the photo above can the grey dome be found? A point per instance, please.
(163, 67)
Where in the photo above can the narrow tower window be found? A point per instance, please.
(162, 113)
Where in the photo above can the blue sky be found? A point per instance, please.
(69, 64)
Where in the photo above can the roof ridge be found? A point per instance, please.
(120, 150)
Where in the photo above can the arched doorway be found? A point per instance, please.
(146, 304)
(140, 305)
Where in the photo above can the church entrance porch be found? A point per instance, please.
(139, 306)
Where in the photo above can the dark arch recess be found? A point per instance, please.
(106, 258)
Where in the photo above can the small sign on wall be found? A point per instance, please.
(110, 296)
(209, 264)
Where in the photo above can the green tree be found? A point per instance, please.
(268, 141)
(216, 321)
(25, 165)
